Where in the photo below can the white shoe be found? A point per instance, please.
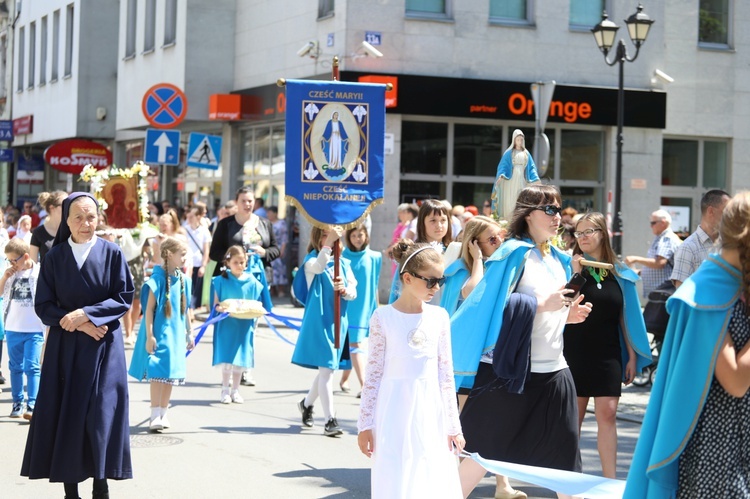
(225, 398)
(165, 422)
(156, 425)
(237, 398)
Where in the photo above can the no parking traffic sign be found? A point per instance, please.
(164, 105)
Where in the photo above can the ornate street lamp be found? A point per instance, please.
(605, 32)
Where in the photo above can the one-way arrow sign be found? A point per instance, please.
(162, 147)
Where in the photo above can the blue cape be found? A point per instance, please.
(634, 327)
(365, 265)
(456, 276)
(315, 344)
(699, 314)
(476, 324)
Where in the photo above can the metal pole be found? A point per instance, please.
(617, 229)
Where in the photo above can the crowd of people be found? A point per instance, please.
(484, 346)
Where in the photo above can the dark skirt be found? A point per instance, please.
(538, 427)
(80, 427)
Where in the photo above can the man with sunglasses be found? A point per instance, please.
(659, 261)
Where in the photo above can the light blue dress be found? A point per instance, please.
(315, 345)
(167, 363)
(234, 338)
(365, 265)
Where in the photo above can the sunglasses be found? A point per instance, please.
(549, 209)
(585, 233)
(653, 222)
(493, 240)
(488, 206)
(431, 281)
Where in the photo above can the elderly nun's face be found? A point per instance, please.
(82, 219)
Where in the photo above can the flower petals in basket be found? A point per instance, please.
(244, 309)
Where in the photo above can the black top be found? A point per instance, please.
(229, 232)
(592, 348)
(42, 240)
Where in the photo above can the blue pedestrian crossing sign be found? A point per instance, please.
(204, 151)
(162, 147)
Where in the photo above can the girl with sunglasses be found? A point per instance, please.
(611, 347)
(522, 306)
(408, 382)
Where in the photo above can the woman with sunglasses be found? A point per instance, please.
(522, 406)
(481, 237)
(408, 381)
(611, 347)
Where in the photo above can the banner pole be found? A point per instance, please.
(336, 250)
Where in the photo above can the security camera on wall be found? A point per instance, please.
(310, 48)
(370, 50)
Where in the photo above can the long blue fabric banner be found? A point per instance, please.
(335, 136)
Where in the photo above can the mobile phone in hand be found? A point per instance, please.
(575, 283)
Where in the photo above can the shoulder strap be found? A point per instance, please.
(194, 241)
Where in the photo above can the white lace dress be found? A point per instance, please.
(409, 401)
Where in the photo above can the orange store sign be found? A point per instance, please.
(569, 111)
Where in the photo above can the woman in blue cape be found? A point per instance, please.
(514, 172)
(315, 286)
(365, 265)
(536, 424)
(80, 427)
(694, 438)
(481, 237)
(611, 347)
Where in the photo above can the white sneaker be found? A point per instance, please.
(237, 398)
(225, 398)
(156, 425)
(165, 422)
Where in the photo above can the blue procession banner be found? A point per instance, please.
(335, 136)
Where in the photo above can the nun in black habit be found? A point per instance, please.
(80, 426)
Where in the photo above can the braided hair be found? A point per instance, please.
(169, 246)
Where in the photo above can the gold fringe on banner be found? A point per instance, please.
(315, 223)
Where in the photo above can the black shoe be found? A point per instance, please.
(2, 378)
(247, 381)
(332, 428)
(307, 413)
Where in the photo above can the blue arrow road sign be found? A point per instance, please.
(204, 151)
(162, 147)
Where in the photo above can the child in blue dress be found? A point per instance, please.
(365, 264)
(165, 333)
(233, 338)
(315, 348)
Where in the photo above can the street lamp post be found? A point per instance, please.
(604, 34)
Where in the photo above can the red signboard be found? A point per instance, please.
(71, 156)
(23, 125)
(391, 96)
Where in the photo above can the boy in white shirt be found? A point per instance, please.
(23, 329)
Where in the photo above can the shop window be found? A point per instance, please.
(325, 8)
(511, 11)
(581, 155)
(414, 191)
(680, 209)
(428, 8)
(471, 193)
(585, 14)
(714, 22)
(477, 149)
(424, 147)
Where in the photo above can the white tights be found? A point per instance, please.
(322, 386)
(236, 374)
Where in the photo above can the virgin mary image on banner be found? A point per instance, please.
(121, 196)
(335, 144)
